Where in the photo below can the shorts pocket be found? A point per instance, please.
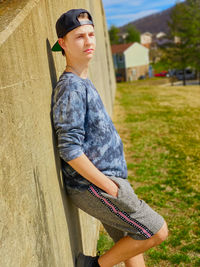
(108, 196)
(126, 200)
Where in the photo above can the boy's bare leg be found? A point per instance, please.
(127, 248)
(137, 261)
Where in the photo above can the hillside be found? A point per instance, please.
(154, 23)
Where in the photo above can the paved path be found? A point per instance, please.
(180, 83)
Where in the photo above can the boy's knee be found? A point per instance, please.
(161, 235)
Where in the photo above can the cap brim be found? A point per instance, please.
(56, 47)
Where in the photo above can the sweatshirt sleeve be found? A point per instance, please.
(69, 110)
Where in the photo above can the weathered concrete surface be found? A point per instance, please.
(38, 224)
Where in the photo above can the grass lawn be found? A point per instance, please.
(160, 129)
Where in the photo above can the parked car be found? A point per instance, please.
(163, 73)
(190, 74)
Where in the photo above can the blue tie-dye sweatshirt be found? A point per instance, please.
(83, 126)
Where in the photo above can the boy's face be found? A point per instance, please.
(79, 44)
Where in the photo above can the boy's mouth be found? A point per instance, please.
(89, 50)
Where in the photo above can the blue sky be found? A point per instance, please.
(120, 12)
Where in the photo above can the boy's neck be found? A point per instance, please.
(81, 71)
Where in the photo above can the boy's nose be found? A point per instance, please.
(88, 40)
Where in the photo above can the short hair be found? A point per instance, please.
(82, 15)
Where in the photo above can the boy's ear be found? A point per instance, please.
(61, 42)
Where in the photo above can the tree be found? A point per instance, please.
(193, 31)
(114, 35)
(185, 24)
(176, 57)
(178, 54)
(133, 34)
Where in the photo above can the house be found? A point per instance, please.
(162, 40)
(146, 38)
(122, 36)
(131, 61)
(160, 35)
(177, 40)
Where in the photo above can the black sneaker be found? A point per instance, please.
(86, 261)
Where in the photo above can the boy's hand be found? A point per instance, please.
(86, 168)
(113, 190)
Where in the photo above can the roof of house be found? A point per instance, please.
(147, 45)
(120, 48)
(147, 33)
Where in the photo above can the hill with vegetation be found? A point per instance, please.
(154, 23)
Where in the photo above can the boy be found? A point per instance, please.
(91, 151)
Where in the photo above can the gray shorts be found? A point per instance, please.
(122, 215)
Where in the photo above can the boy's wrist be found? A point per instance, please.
(112, 189)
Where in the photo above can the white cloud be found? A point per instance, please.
(120, 12)
(160, 4)
(133, 16)
(139, 3)
(110, 3)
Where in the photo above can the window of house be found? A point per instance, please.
(120, 58)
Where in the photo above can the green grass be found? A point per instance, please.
(104, 242)
(160, 129)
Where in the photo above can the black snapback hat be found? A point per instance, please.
(69, 21)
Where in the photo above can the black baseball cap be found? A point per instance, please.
(69, 21)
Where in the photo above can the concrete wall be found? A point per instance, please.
(38, 224)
